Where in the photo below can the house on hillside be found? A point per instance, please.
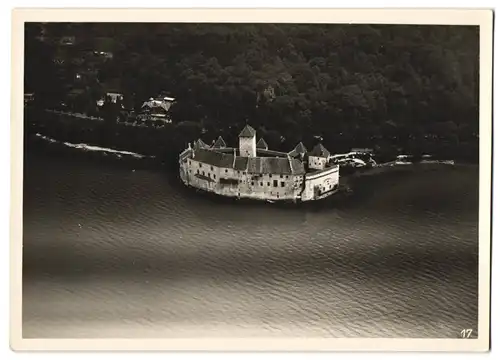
(157, 109)
(113, 96)
(159, 102)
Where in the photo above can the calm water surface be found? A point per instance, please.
(110, 252)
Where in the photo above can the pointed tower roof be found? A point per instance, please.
(247, 131)
(320, 151)
(261, 144)
(199, 144)
(300, 149)
(219, 143)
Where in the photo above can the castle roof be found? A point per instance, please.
(274, 165)
(261, 144)
(253, 165)
(300, 149)
(241, 163)
(247, 131)
(199, 144)
(297, 166)
(214, 158)
(219, 143)
(320, 151)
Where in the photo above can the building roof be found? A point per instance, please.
(247, 131)
(159, 102)
(199, 144)
(268, 152)
(320, 151)
(300, 149)
(253, 165)
(219, 143)
(274, 165)
(261, 144)
(241, 163)
(297, 167)
(114, 96)
(214, 158)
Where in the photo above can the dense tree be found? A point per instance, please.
(385, 86)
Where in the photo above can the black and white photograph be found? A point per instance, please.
(257, 178)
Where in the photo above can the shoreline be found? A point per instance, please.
(349, 185)
(75, 128)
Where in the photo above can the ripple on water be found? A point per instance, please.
(115, 253)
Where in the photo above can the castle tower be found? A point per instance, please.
(318, 157)
(248, 144)
(219, 143)
(299, 151)
(261, 144)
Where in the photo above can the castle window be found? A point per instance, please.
(189, 162)
(203, 173)
(281, 176)
(268, 183)
(214, 176)
(286, 177)
(278, 196)
(261, 183)
(212, 168)
(199, 164)
(252, 183)
(275, 183)
(198, 172)
(270, 175)
(282, 184)
(226, 170)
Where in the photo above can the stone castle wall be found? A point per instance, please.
(233, 183)
(316, 162)
(320, 184)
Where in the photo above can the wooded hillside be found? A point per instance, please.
(391, 87)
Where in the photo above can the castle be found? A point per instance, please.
(253, 171)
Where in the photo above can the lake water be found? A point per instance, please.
(111, 252)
